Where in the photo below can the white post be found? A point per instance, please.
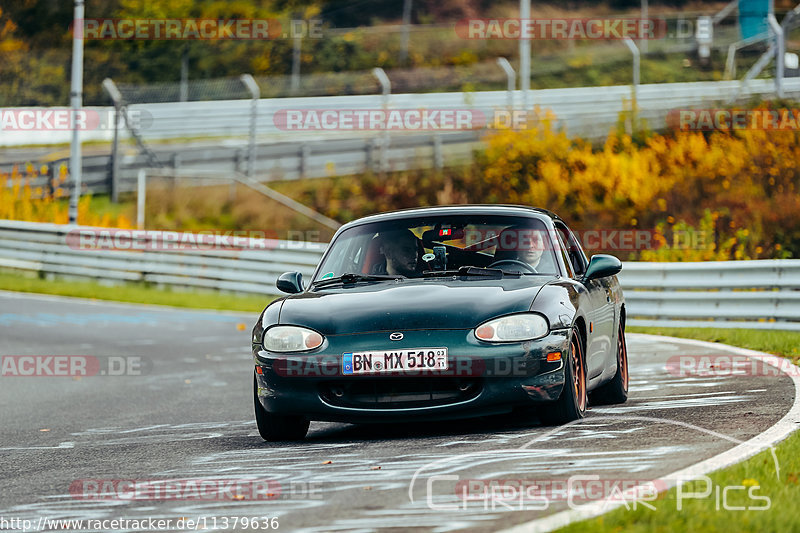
(525, 54)
(406, 29)
(116, 97)
(296, 51)
(386, 89)
(512, 79)
(76, 102)
(636, 68)
(643, 41)
(255, 93)
(780, 51)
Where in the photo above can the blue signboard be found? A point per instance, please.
(753, 17)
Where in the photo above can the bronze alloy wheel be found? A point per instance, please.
(578, 371)
(616, 390)
(622, 358)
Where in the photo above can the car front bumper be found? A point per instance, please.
(481, 379)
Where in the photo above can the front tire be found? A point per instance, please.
(616, 390)
(275, 428)
(571, 405)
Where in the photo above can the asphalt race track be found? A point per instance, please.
(185, 413)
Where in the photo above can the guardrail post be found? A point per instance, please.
(305, 152)
(175, 182)
(386, 89)
(438, 156)
(238, 159)
(372, 147)
(512, 79)
(141, 179)
(255, 92)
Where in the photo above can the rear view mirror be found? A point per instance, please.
(290, 282)
(602, 266)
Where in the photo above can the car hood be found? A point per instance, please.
(410, 304)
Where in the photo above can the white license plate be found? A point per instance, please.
(394, 360)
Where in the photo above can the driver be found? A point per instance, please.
(401, 250)
(520, 244)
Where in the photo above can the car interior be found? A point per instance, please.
(480, 254)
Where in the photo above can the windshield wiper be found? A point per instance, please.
(352, 278)
(472, 271)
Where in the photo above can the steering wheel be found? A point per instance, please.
(523, 264)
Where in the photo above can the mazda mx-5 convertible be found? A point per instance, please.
(439, 313)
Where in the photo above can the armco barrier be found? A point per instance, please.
(589, 112)
(246, 265)
(751, 294)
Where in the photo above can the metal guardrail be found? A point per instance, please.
(236, 264)
(284, 160)
(585, 111)
(750, 294)
(590, 112)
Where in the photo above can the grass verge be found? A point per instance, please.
(783, 343)
(709, 514)
(133, 293)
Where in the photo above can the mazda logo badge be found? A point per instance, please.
(397, 336)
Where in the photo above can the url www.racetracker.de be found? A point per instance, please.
(141, 524)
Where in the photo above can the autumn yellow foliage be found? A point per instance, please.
(738, 190)
(19, 200)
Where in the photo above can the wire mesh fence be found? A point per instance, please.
(192, 91)
(555, 63)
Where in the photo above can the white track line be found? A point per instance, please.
(782, 429)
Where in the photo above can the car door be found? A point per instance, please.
(601, 315)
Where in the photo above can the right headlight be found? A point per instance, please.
(513, 328)
(291, 339)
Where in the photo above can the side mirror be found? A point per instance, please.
(290, 282)
(602, 266)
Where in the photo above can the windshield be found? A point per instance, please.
(419, 247)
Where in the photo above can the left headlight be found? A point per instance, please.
(291, 339)
(513, 328)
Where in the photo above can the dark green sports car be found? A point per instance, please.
(442, 312)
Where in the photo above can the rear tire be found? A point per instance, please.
(616, 390)
(571, 405)
(272, 427)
